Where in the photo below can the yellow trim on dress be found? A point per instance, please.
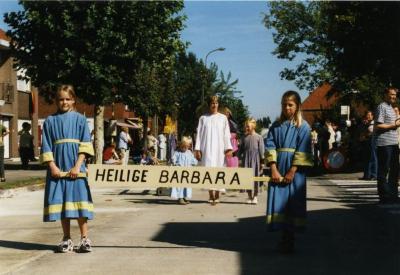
(270, 156)
(68, 206)
(282, 218)
(46, 157)
(86, 148)
(302, 159)
(67, 140)
(290, 150)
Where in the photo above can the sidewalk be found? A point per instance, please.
(19, 180)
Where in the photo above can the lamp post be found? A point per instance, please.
(205, 63)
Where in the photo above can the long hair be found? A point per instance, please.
(297, 118)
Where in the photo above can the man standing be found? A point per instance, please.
(25, 144)
(123, 144)
(3, 132)
(367, 139)
(387, 148)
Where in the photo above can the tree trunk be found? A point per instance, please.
(98, 133)
(145, 123)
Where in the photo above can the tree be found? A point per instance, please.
(189, 84)
(99, 47)
(264, 122)
(230, 97)
(192, 78)
(351, 45)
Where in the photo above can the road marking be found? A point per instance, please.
(365, 191)
(354, 189)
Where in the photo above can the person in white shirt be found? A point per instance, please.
(213, 141)
(162, 147)
(338, 135)
(331, 139)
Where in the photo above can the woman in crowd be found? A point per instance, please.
(213, 141)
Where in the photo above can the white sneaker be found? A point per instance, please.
(249, 201)
(254, 201)
(65, 246)
(85, 245)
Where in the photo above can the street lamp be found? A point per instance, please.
(205, 63)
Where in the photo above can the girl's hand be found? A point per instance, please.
(275, 176)
(73, 173)
(55, 171)
(290, 175)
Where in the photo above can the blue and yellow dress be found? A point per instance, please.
(288, 145)
(64, 137)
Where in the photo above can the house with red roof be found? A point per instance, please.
(323, 99)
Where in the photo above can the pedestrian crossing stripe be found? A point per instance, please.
(365, 191)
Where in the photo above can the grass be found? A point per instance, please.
(32, 181)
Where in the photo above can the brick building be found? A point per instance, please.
(19, 100)
(319, 101)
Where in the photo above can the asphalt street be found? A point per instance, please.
(138, 233)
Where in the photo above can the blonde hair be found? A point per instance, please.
(68, 89)
(185, 141)
(297, 118)
(226, 111)
(251, 121)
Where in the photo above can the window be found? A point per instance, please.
(22, 84)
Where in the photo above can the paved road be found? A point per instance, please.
(144, 234)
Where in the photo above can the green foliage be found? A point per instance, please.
(264, 122)
(192, 78)
(98, 47)
(351, 45)
(229, 97)
(189, 84)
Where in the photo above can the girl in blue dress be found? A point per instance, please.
(183, 157)
(288, 146)
(65, 145)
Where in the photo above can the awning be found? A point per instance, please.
(131, 126)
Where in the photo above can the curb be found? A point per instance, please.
(9, 193)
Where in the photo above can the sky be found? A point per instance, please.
(237, 26)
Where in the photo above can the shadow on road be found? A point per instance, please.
(173, 201)
(25, 246)
(359, 240)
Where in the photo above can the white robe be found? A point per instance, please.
(213, 139)
(162, 147)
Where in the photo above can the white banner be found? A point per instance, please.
(150, 176)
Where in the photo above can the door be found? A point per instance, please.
(6, 139)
